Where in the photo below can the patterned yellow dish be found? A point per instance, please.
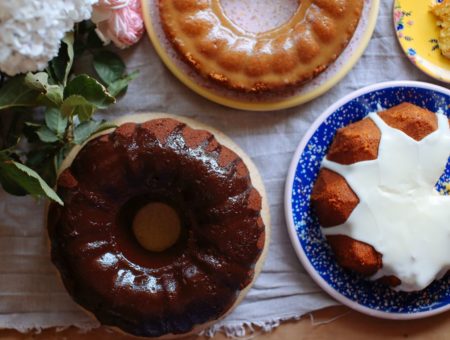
(418, 33)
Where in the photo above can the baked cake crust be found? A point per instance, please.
(285, 56)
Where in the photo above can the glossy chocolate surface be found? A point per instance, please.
(101, 263)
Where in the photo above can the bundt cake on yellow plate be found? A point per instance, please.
(164, 227)
(382, 170)
(291, 54)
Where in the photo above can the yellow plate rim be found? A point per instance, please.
(263, 106)
(404, 48)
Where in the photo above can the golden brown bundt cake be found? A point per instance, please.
(291, 54)
(333, 200)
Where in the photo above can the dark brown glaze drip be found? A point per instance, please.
(110, 274)
(332, 198)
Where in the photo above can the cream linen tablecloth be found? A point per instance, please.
(31, 296)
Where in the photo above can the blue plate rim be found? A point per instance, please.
(288, 202)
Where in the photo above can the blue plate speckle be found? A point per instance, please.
(312, 248)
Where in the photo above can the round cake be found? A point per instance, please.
(376, 200)
(164, 225)
(291, 54)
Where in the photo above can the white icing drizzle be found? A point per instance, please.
(400, 213)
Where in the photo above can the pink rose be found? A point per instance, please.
(119, 21)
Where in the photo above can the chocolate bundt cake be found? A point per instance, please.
(357, 147)
(291, 54)
(163, 160)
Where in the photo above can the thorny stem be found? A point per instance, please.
(70, 130)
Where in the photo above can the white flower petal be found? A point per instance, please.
(31, 31)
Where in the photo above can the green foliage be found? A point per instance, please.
(108, 66)
(49, 95)
(59, 68)
(16, 93)
(76, 105)
(17, 179)
(32, 182)
(89, 88)
(56, 122)
(119, 86)
(46, 135)
(89, 128)
(68, 102)
(111, 70)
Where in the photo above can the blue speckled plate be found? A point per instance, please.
(311, 247)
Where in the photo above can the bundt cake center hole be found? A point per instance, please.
(259, 16)
(157, 226)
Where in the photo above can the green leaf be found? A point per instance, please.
(10, 186)
(55, 94)
(37, 81)
(41, 160)
(91, 90)
(15, 93)
(55, 121)
(46, 135)
(83, 131)
(87, 129)
(17, 175)
(61, 155)
(77, 105)
(57, 66)
(69, 41)
(61, 65)
(34, 183)
(121, 85)
(108, 66)
(51, 95)
(104, 125)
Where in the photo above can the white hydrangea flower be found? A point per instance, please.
(31, 31)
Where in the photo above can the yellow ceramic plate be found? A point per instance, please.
(418, 33)
(267, 102)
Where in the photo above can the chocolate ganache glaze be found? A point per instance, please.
(101, 263)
